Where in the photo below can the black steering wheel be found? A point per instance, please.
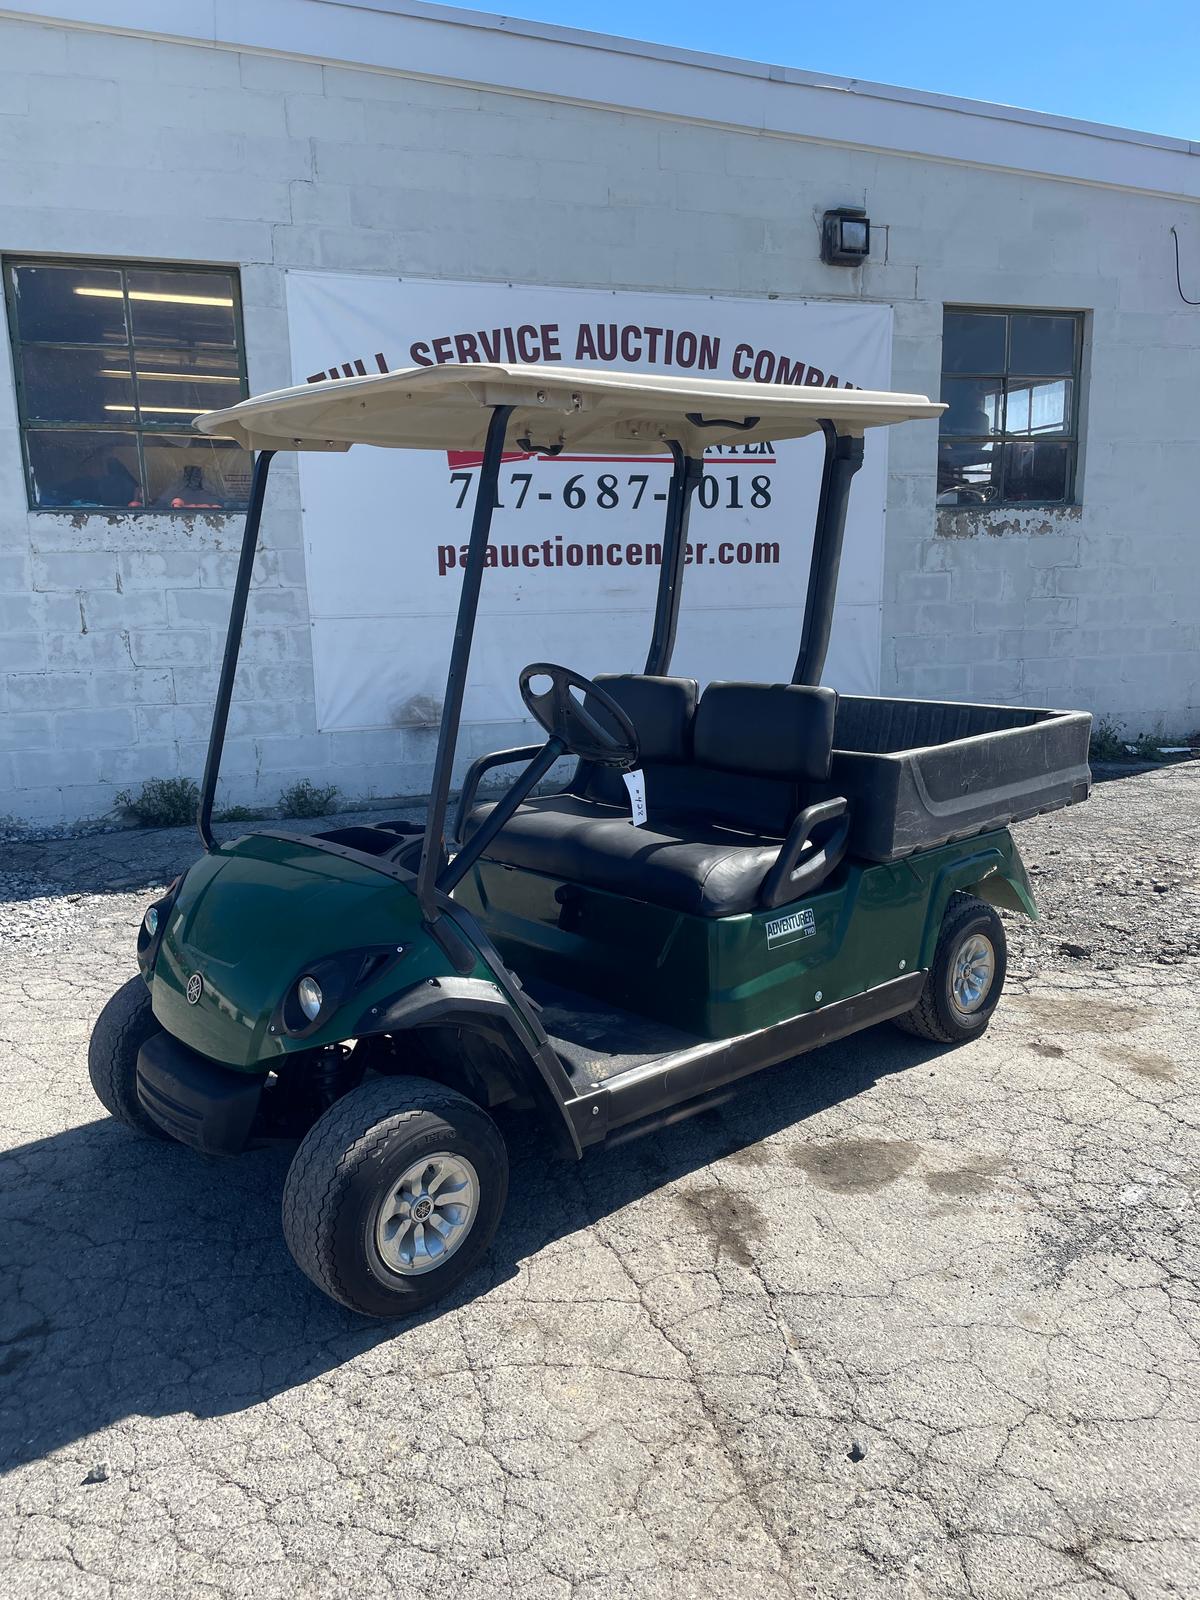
(564, 718)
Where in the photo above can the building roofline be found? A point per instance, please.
(508, 54)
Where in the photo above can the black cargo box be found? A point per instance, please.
(919, 773)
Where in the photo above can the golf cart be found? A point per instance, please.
(783, 868)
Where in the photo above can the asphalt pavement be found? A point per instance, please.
(893, 1321)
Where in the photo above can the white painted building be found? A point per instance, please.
(357, 149)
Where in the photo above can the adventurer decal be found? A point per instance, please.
(786, 930)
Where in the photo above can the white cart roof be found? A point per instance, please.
(587, 409)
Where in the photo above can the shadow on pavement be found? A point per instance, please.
(147, 1280)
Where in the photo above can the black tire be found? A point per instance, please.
(936, 1014)
(121, 1030)
(348, 1164)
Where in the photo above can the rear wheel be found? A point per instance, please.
(965, 981)
(121, 1030)
(394, 1195)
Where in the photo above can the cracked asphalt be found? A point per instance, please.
(894, 1321)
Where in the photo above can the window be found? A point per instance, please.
(1011, 382)
(112, 364)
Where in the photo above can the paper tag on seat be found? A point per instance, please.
(635, 782)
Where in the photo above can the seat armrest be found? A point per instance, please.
(829, 822)
(482, 764)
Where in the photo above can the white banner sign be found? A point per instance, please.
(577, 540)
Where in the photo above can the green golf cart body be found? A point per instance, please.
(806, 866)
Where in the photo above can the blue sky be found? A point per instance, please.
(1135, 63)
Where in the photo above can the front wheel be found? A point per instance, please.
(394, 1195)
(967, 975)
(121, 1030)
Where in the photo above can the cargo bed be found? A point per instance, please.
(920, 773)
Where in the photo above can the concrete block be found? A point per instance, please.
(293, 247)
(22, 652)
(316, 116)
(48, 691)
(42, 807)
(15, 573)
(937, 682)
(148, 106)
(189, 607)
(156, 570)
(928, 586)
(26, 730)
(28, 47)
(263, 644)
(360, 250)
(268, 605)
(73, 99)
(132, 687)
(140, 608)
(134, 767)
(262, 286)
(44, 768)
(169, 648)
(121, 56)
(75, 569)
(275, 75)
(95, 729)
(994, 680)
(239, 758)
(19, 612)
(303, 753)
(253, 718)
(198, 685)
(320, 203)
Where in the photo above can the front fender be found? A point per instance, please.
(993, 871)
(478, 1005)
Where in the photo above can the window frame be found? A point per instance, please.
(11, 259)
(1070, 436)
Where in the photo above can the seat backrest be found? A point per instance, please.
(756, 747)
(662, 710)
(742, 758)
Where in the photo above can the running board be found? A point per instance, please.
(645, 1091)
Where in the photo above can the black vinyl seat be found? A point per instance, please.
(676, 862)
(723, 785)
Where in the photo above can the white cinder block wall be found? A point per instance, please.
(111, 627)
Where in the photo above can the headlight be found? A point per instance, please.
(308, 992)
(151, 920)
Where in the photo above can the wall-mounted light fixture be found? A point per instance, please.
(845, 237)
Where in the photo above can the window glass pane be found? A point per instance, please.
(968, 474)
(188, 310)
(975, 405)
(69, 305)
(83, 467)
(1036, 471)
(973, 341)
(1039, 407)
(193, 472)
(76, 385)
(1042, 344)
(176, 385)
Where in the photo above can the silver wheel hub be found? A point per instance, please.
(972, 973)
(424, 1218)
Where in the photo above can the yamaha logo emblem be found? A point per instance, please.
(195, 988)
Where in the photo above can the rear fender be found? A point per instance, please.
(994, 873)
(469, 1024)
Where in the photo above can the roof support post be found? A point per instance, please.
(233, 645)
(433, 847)
(685, 479)
(843, 457)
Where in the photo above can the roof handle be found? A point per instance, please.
(532, 449)
(697, 421)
